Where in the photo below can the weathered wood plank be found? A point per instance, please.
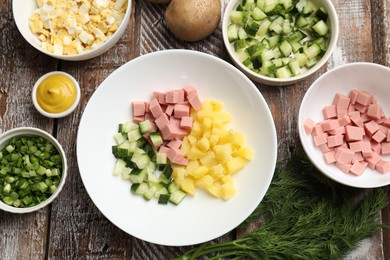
(22, 236)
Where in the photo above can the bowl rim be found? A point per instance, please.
(303, 135)
(32, 131)
(92, 53)
(288, 81)
(61, 114)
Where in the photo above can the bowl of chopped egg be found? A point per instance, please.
(70, 29)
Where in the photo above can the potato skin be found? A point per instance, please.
(159, 1)
(193, 20)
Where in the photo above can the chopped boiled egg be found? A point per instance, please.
(75, 26)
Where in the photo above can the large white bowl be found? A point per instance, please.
(195, 219)
(370, 77)
(7, 136)
(22, 10)
(334, 32)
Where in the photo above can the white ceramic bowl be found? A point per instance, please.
(61, 114)
(111, 105)
(22, 10)
(334, 32)
(6, 137)
(370, 77)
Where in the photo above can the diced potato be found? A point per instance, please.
(195, 153)
(223, 116)
(215, 191)
(209, 159)
(192, 140)
(223, 152)
(200, 172)
(191, 166)
(178, 174)
(204, 144)
(217, 171)
(188, 186)
(204, 182)
(245, 152)
(185, 146)
(227, 191)
(236, 138)
(227, 179)
(213, 140)
(235, 164)
(207, 123)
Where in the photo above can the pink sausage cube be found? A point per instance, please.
(371, 128)
(195, 101)
(320, 139)
(379, 136)
(161, 98)
(372, 161)
(183, 161)
(374, 111)
(353, 133)
(358, 157)
(341, 112)
(383, 129)
(366, 149)
(172, 97)
(388, 136)
(181, 110)
(175, 154)
(341, 101)
(189, 90)
(363, 98)
(337, 131)
(353, 95)
(356, 146)
(168, 132)
(344, 167)
(138, 108)
(329, 124)
(324, 148)
(175, 143)
(181, 96)
(330, 157)
(138, 119)
(162, 121)
(163, 149)
(344, 120)
(169, 110)
(356, 119)
(155, 108)
(308, 125)
(361, 108)
(357, 168)
(317, 130)
(383, 166)
(376, 147)
(146, 107)
(177, 130)
(335, 140)
(329, 112)
(186, 122)
(344, 155)
(149, 116)
(386, 122)
(385, 148)
(155, 95)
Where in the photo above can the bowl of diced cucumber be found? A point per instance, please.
(280, 42)
(33, 169)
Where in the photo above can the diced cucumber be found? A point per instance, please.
(295, 37)
(166, 174)
(283, 72)
(145, 127)
(294, 67)
(119, 138)
(177, 196)
(321, 28)
(232, 32)
(255, 49)
(238, 17)
(257, 14)
(278, 62)
(264, 25)
(164, 199)
(273, 41)
(156, 139)
(139, 188)
(138, 176)
(242, 34)
(322, 14)
(285, 48)
(301, 58)
(296, 47)
(301, 22)
(239, 44)
(119, 167)
(266, 55)
(172, 187)
(312, 51)
(286, 60)
(161, 158)
(252, 28)
(310, 63)
(127, 127)
(141, 160)
(134, 135)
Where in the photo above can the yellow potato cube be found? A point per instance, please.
(191, 166)
(204, 182)
(218, 106)
(217, 171)
(207, 123)
(223, 152)
(204, 144)
(195, 153)
(235, 164)
(227, 179)
(188, 186)
(214, 140)
(217, 122)
(223, 116)
(245, 152)
(215, 191)
(178, 174)
(192, 140)
(227, 191)
(185, 146)
(203, 113)
(208, 160)
(200, 172)
(236, 138)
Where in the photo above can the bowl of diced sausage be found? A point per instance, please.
(344, 123)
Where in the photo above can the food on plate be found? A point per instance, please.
(30, 171)
(279, 39)
(66, 27)
(56, 93)
(193, 20)
(214, 153)
(354, 133)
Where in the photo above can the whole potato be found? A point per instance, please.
(193, 20)
(160, 1)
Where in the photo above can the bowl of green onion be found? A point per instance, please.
(33, 169)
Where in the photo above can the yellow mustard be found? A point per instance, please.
(56, 93)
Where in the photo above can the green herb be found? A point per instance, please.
(304, 215)
(30, 171)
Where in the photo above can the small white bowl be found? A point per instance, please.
(334, 32)
(6, 137)
(22, 10)
(370, 77)
(64, 113)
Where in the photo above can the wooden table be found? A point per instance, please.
(72, 227)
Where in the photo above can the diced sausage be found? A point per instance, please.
(162, 121)
(155, 108)
(385, 148)
(383, 166)
(357, 168)
(341, 101)
(181, 110)
(138, 108)
(344, 155)
(329, 112)
(186, 122)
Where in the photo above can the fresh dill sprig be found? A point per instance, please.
(305, 215)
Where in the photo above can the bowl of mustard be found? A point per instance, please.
(56, 94)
